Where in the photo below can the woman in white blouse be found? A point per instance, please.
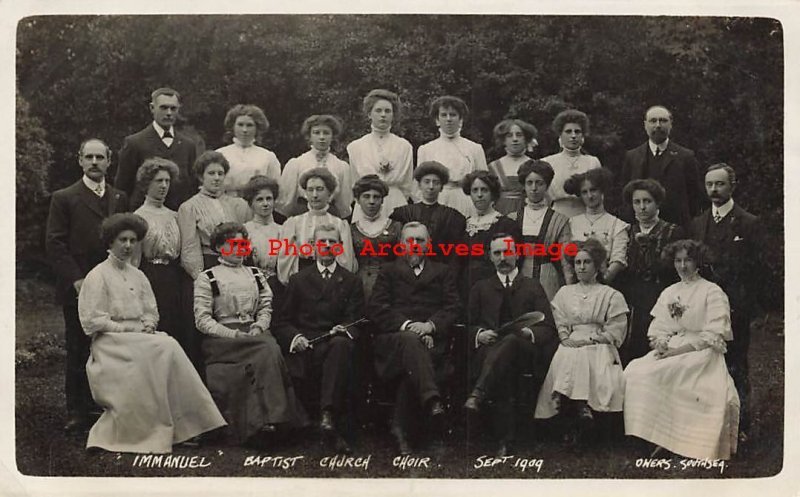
(261, 192)
(320, 132)
(571, 126)
(591, 187)
(383, 153)
(459, 155)
(247, 124)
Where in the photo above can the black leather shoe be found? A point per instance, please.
(473, 403)
(437, 409)
(75, 423)
(326, 424)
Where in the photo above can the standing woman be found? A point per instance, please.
(483, 189)
(260, 193)
(591, 319)
(161, 246)
(646, 276)
(459, 155)
(298, 231)
(571, 126)
(515, 136)
(591, 187)
(320, 132)
(383, 153)
(372, 229)
(151, 395)
(198, 216)
(247, 124)
(540, 224)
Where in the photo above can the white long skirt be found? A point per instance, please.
(152, 395)
(687, 404)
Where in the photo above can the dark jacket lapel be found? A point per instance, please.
(89, 198)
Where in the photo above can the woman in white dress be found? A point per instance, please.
(260, 192)
(515, 136)
(320, 132)
(680, 395)
(298, 231)
(247, 124)
(591, 319)
(571, 126)
(383, 153)
(459, 155)
(151, 394)
(596, 223)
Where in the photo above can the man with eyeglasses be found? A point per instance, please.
(673, 166)
(160, 139)
(73, 246)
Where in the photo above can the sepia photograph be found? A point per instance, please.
(440, 248)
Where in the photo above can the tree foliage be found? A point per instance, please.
(721, 77)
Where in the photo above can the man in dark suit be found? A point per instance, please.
(498, 360)
(413, 307)
(322, 300)
(160, 139)
(665, 161)
(735, 239)
(445, 224)
(74, 248)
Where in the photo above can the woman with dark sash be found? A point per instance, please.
(515, 136)
(541, 225)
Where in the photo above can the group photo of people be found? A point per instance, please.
(429, 317)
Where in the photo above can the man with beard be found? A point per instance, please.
(498, 359)
(74, 247)
(736, 240)
(665, 161)
(414, 304)
(160, 139)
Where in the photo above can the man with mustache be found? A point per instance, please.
(665, 161)
(160, 139)
(497, 361)
(74, 247)
(736, 240)
(413, 307)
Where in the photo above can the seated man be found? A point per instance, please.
(322, 300)
(413, 306)
(499, 358)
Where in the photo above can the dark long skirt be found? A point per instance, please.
(249, 381)
(165, 279)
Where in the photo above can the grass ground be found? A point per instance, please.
(43, 449)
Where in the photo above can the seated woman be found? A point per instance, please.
(151, 394)
(372, 229)
(247, 124)
(596, 223)
(645, 277)
(515, 136)
(591, 320)
(680, 395)
(298, 231)
(260, 193)
(320, 132)
(245, 370)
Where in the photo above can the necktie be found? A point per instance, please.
(167, 134)
(717, 217)
(99, 190)
(658, 152)
(508, 282)
(326, 275)
(417, 269)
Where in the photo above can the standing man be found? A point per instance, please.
(320, 301)
(736, 241)
(665, 161)
(413, 307)
(73, 246)
(160, 139)
(498, 360)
